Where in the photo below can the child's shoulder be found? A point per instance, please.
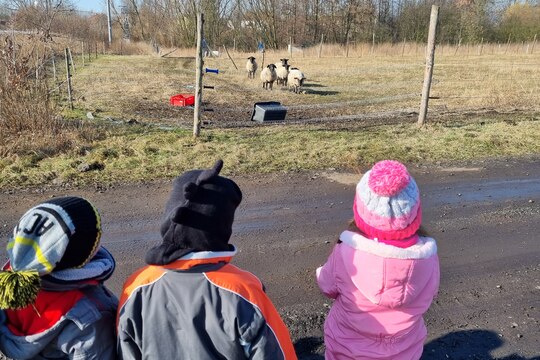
(233, 277)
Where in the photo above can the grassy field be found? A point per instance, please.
(358, 84)
(353, 111)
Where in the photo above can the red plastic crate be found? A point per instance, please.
(182, 100)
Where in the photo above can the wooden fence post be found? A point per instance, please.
(481, 47)
(227, 51)
(68, 71)
(430, 57)
(71, 59)
(290, 47)
(458, 46)
(534, 43)
(199, 77)
(320, 46)
(82, 53)
(507, 45)
(54, 68)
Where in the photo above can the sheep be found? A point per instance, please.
(251, 67)
(281, 62)
(296, 79)
(268, 76)
(282, 72)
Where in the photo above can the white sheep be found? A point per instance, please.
(296, 79)
(251, 67)
(268, 76)
(282, 72)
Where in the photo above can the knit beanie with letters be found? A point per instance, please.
(58, 234)
(198, 216)
(387, 204)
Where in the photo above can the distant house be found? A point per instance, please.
(245, 24)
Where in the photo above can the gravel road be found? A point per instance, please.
(485, 216)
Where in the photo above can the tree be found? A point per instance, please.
(520, 22)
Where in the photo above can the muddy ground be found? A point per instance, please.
(485, 216)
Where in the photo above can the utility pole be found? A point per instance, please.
(109, 24)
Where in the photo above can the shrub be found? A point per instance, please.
(29, 123)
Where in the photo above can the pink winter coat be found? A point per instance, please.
(381, 292)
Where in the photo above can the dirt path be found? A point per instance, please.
(485, 217)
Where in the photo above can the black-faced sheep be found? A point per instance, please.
(251, 67)
(281, 62)
(282, 72)
(268, 76)
(296, 79)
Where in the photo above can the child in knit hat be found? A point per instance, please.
(382, 274)
(190, 302)
(52, 298)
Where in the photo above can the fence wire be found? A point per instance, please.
(385, 93)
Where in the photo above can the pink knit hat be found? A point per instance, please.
(387, 204)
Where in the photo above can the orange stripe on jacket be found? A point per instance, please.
(227, 278)
(150, 273)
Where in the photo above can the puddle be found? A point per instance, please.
(487, 191)
(461, 169)
(342, 178)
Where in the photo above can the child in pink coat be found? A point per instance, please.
(383, 274)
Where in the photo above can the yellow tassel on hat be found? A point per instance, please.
(18, 289)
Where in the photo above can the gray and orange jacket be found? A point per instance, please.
(199, 307)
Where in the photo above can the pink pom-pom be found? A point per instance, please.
(388, 177)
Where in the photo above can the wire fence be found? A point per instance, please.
(370, 89)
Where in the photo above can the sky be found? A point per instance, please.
(90, 5)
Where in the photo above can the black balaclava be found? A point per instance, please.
(198, 216)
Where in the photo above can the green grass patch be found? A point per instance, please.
(147, 153)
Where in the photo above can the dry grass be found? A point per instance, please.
(362, 83)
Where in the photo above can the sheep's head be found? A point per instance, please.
(251, 58)
(271, 67)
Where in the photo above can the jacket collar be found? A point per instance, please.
(423, 249)
(201, 257)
